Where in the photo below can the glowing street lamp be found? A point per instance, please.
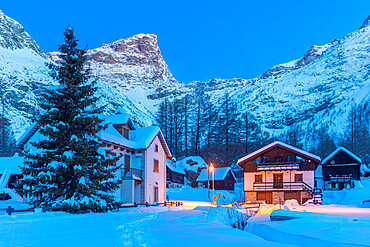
(212, 169)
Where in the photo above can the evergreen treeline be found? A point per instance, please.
(219, 133)
(194, 125)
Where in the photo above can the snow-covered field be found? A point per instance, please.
(331, 225)
(157, 226)
(196, 224)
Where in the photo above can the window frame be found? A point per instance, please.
(155, 165)
(259, 180)
(298, 177)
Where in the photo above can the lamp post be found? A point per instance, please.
(208, 180)
(212, 169)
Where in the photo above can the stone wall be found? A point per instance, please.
(278, 197)
(250, 196)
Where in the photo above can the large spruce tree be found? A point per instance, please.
(69, 167)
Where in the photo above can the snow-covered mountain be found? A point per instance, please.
(320, 87)
(128, 71)
(317, 89)
(23, 74)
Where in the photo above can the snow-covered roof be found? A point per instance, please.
(364, 168)
(277, 143)
(174, 169)
(27, 135)
(220, 174)
(189, 163)
(12, 164)
(139, 138)
(119, 118)
(344, 150)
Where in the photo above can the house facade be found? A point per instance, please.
(143, 154)
(175, 175)
(339, 170)
(280, 172)
(223, 176)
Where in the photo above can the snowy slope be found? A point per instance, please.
(23, 76)
(321, 90)
(128, 72)
(318, 88)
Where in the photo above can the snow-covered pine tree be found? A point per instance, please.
(70, 168)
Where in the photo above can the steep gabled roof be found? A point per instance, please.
(220, 174)
(139, 139)
(277, 143)
(343, 150)
(27, 135)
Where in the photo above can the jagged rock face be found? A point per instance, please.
(13, 36)
(129, 71)
(135, 61)
(313, 53)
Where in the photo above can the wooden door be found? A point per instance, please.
(278, 181)
(155, 194)
(265, 196)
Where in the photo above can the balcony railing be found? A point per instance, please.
(282, 186)
(131, 174)
(277, 167)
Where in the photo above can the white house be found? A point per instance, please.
(144, 152)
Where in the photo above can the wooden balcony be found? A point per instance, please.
(131, 174)
(282, 186)
(277, 167)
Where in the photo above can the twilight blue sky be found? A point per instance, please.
(199, 40)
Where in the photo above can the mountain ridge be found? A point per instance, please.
(133, 74)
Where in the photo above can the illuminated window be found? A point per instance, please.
(156, 166)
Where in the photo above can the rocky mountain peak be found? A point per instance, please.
(314, 52)
(132, 61)
(13, 36)
(140, 49)
(366, 22)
